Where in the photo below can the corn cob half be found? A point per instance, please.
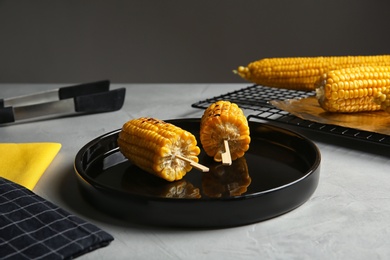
(222, 121)
(153, 145)
(352, 89)
(301, 73)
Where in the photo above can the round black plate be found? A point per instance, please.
(278, 173)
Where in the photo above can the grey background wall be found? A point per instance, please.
(175, 40)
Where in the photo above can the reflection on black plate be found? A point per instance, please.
(278, 173)
(226, 181)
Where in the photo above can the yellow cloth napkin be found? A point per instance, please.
(24, 163)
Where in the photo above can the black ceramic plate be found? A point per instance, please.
(278, 173)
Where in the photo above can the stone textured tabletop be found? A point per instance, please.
(348, 216)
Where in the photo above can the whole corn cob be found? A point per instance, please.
(352, 89)
(154, 146)
(301, 73)
(382, 98)
(222, 121)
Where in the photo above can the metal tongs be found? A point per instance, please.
(94, 97)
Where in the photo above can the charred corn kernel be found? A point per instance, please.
(382, 98)
(153, 145)
(352, 89)
(221, 121)
(301, 73)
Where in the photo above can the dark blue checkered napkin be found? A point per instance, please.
(34, 228)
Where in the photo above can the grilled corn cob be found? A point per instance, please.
(222, 121)
(352, 89)
(301, 73)
(153, 145)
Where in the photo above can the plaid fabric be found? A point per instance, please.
(34, 228)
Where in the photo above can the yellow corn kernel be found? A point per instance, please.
(153, 145)
(382, 98)
(301, 73)
(364, 83)
(221, 121)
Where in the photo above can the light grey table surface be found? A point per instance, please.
(348, 216)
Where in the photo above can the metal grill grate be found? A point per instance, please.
(257, 98)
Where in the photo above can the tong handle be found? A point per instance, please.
(95, 103)
(57, 94)
(83, 89)
(7, 115)
(100, 102)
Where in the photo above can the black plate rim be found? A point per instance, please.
(96, 185)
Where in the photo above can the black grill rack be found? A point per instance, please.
(257, 98)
